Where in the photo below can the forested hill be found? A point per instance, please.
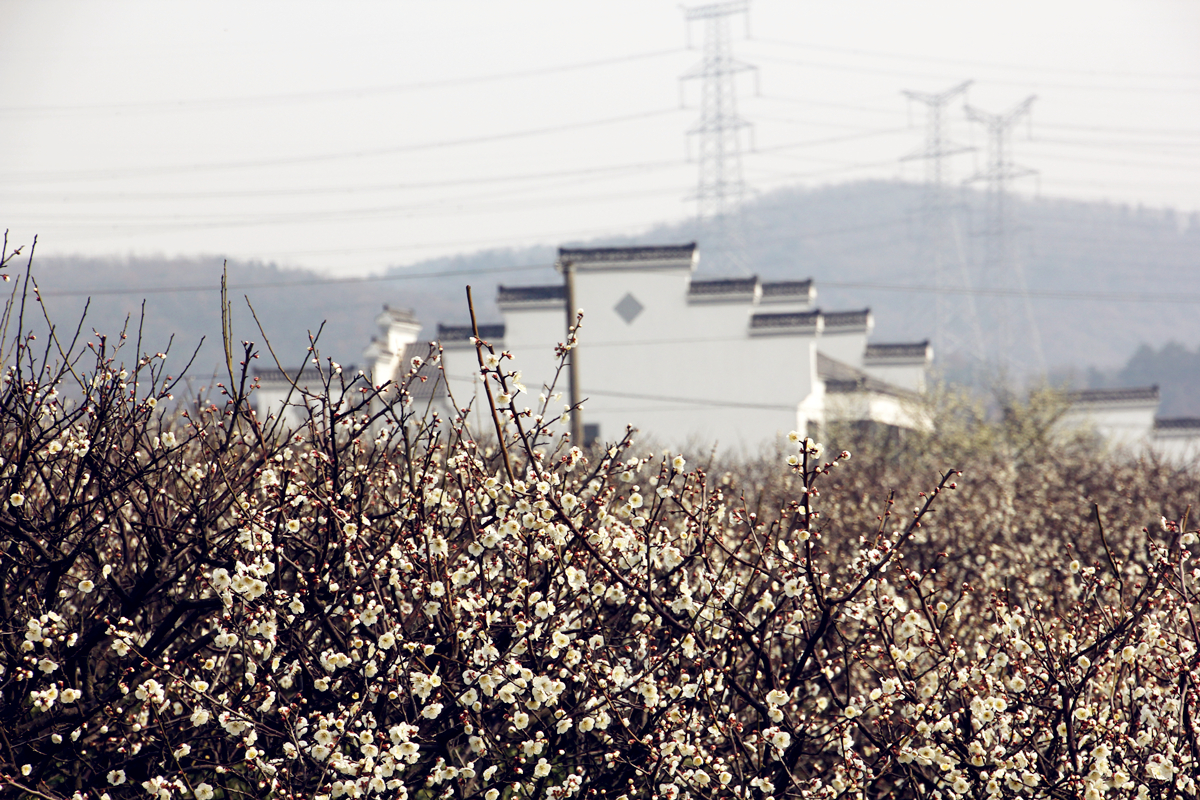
(847, 237)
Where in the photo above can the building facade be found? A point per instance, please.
(731, 362)
(1126, 419)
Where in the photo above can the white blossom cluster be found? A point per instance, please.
(386, 605)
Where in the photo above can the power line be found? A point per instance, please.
(293, 284)
(426, 208)
(942, 76)
(1041, 70)
(354, 93)
(116, 174)
(324, 191)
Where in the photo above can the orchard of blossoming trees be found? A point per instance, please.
(387, 604)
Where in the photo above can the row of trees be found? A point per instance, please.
(385, 603)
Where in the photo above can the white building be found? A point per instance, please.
(1127, 419)
(294, 395)
(736, 362)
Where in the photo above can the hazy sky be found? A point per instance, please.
(352, 136)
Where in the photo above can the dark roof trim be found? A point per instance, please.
(555, 292)
(898, 350)
(1137, 393)
(847, 319)
(725, 288)
(401, 314)
(301, 376)
(787, 290)
(1177, 424)
(453, 334)
(804, 320)
(650, 253)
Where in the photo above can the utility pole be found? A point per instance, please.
(956, 322)
(721, 187)
(573, 390)
(1002, 266)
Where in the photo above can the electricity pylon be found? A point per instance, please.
(721, 188)
(1003, 270)
(956, 323)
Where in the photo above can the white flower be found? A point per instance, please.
(16, 499)
(293, 525)
(86, 586)
(1159, 768)
(116, 777)
(635, 500)
(168, 439)
(542, 769)
(220, 579)
(431, 711)
(70, 695)
(47, 666)
(204, 792)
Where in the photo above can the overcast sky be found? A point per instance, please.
(351, 136)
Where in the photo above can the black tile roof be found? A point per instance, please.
(1177, 424)
(778, 290)
(401, 314)
(302, 376)
(434, 385)
(526, 294)
(802, 319)
(898, 350)
(841, 378)
(1114, 395)
(451, 333)
(650, 253)
(723, 286)
(846, 319)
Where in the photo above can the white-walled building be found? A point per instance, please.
(1127, 419)
(290, 395)
(737, 362)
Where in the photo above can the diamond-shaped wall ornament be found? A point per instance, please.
(629, 308)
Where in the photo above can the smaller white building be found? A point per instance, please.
(1127, 419)
(291, 395)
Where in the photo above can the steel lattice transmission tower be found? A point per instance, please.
(956, 319)
(721, 188)
(1003, 272)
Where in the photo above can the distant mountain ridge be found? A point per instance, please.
(858, 233)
